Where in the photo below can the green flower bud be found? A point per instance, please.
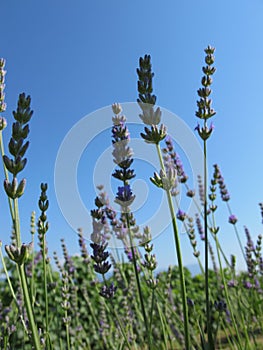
(2, 63)
(18, 255)
(21, 188)
(156, 180)
(9, 252)
(154, 135)
(43, 187)
(214, 230)
(196, 254)
(9, 188)
(152, 283)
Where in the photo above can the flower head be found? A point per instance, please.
(232, 219)
(204, 104)
(108, 292)
(181, 215)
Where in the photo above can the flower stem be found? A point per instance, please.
(45, 288)
(179, 257)
(35, 335)
(22, 275)
(138, 283)
(239, 345)
(207, 297)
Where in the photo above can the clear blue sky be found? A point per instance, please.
(76, 57)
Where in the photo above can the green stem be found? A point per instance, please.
(152, 306)
(138, 282)
(116, 316)
(30, 315)
(181, 271)
(85, 297)
(22, 275)
(32, 281)
(67, 329)
(179, 257)
(227, 298)
(164, 326)
(17, 223)
(45, 285)
(122, 329)
(207, 297)
(229, 339)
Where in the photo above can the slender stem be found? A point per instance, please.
(152, 306)
(138, 283)
(30, 315)
(116, 316)
(227, 298)
(22, 275)
(229, 340)
(45, 284)
(95, 320)
(67, 329)
(217, 328)
(17, 223)
(181, 271)
(121, 327)
(179, 257)
(32, 280)
(162, 319)
(207, 298)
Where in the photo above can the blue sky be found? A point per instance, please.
(74, 58)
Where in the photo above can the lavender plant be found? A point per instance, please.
(18, 252)
(165, 179)
(96, 300)
(205, 112)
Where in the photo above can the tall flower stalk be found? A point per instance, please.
(122, 156)
(205, 112)
(17, 251)
(100, 257)
(43, 204)
(154, 134)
